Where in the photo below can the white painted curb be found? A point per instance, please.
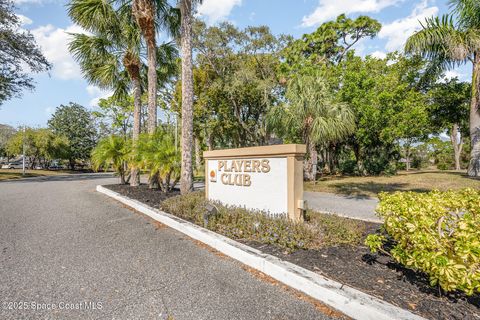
(349, 301)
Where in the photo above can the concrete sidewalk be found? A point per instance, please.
(355, 207)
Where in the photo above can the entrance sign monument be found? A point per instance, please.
(267, 178)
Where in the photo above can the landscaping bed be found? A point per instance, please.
(142, 193)
(328, 245)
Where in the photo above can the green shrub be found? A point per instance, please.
(348, 167)
(157, 155)
(437, 233)
(241, 224)
(337, 230)
(112, 151)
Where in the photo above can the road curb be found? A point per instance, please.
(347, 300)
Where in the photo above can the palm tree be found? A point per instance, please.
(312, 115)
(448, 43)
(112, 151)
(186, 182)
(157, 154)
(110, 56)
(152, 15)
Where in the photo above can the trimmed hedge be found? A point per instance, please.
(437, 233)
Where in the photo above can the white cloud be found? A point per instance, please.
(453, 74)
(398, 31)
(54, 44)
(23, 19)
(217, 10)
(450, 74)
(330, 9)
(378, 54)
(49, 110)
(20, 2)
(97, 94)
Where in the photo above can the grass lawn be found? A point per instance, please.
(419, 181)
(6, 174)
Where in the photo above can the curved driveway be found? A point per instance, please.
(65, 246)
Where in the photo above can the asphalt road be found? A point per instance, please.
(63, 245)
(355, 207)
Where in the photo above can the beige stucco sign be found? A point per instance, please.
(268, 178)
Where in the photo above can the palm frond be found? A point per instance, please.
(93, 53)
(93, 15)
(468, 13)
(440, 39)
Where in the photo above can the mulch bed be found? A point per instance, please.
(356, 267)
(142, 193)
(381, 277)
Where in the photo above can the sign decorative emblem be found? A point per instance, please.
(213, 175)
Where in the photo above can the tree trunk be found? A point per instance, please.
(152, 84)
(122, 173)
(144, 13)
(198, 153)
(358, 159)
(186, 182)
(154, 182)
(407, 157)
(474, 166)
(310, 171)
(210, 141)
(457, 145)
(137, 110)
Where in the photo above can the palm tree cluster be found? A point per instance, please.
(120, 52)
(449, 41)
(154, 153)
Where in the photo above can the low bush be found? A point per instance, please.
(437, 233)
(241, 224)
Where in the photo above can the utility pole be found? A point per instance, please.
(23, 157)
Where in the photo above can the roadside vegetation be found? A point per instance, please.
(436, 233)
(237, 223)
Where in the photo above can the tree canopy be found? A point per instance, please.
(75, 123)
(19, 55)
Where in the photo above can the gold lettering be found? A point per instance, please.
(227, 169)
(247, 166)
(221, 164)
(240, 165)
(265, 166)
(256, 166)
(222, 177)
(246, 180)
(238, 180)
(237, 165)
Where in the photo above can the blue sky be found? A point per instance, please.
(49, 23)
